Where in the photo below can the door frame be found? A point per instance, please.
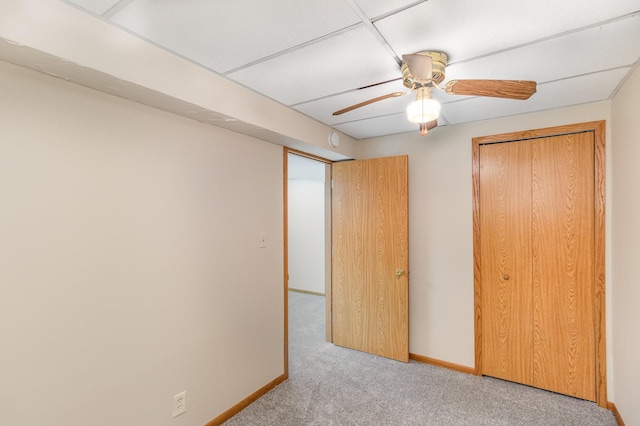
(598, 129)
(329, 337)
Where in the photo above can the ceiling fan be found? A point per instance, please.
(425, 70)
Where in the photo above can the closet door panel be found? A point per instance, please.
(563, 270)
(505, 220)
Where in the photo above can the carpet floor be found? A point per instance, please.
(330, 385)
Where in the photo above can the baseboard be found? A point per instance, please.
(246, 402)
(315, 293)
(443, 364)
(611, 406)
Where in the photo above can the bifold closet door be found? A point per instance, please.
(505, 221)
(563, 264)
(537, 262)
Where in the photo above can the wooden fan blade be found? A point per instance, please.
(420, 67)
(509, 89)
(379, 84)
(370, 101)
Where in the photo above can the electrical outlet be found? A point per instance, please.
(179, 403)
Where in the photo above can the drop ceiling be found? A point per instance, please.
(320, 56)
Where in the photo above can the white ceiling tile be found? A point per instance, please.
(465, 29)
(560, 57)
(224, 35)
(378, 126)
(556, 94)
(338, 64)
(376, 8)
(94, 6)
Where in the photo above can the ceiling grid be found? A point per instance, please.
(319, 57)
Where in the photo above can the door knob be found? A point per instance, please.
(505, 277)
(399, 272)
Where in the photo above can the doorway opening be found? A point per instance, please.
(366, 252)
(308, 237)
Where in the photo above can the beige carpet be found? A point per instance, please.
(330, 385)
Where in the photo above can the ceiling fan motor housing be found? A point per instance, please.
(439, 64)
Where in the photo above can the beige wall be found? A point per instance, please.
(440, 225)
(626, 249)
(129, 260)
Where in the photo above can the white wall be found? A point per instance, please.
(129, 260)
(306, 235)
(626, 249)
(440, 225)
(306, 222)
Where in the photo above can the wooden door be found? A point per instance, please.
(370, 288)
(537, 248)
(505, 190)
(563, 264)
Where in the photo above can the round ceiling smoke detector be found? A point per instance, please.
(334, 139)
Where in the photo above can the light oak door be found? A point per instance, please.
(505, 191)
(537, 262)
(563, 264)
(370, 286)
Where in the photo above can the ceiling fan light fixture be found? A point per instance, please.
(423, 70)
(423, 110)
